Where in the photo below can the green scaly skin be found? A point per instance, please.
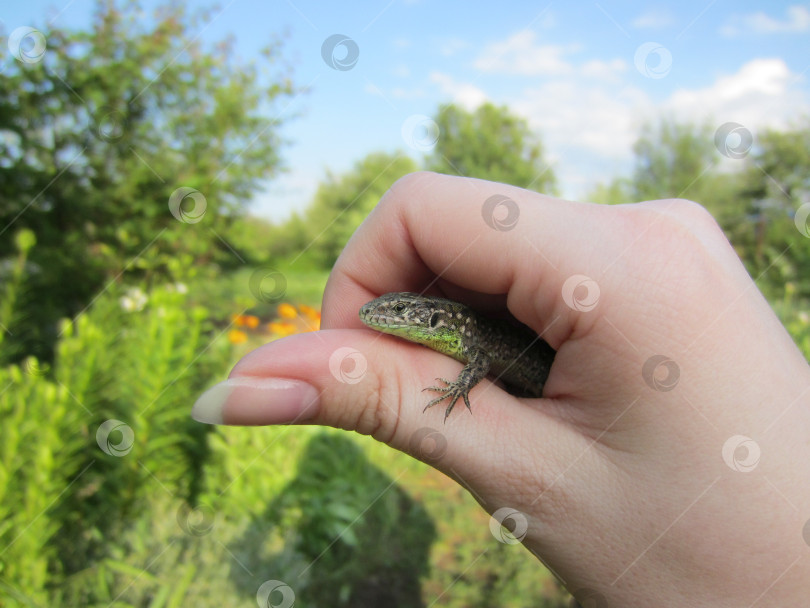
(485, 346)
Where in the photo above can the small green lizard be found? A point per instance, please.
(486, 346)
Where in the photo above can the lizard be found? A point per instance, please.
(486, 346)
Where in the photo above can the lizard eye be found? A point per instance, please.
(399, 307)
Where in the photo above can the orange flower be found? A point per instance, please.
(287, 311)
(249, 321)
(310, 312)
(281, 329)
(237, 336)
(312, 317)
(311, 324)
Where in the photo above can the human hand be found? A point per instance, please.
(668, 358)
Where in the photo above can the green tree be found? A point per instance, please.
(342, 202)
(756, 205)
(619, 190)
(774, 186)
(490, 143)
(127, 147)
(671, 160)
(289, 238)
(780, 170)
(680, 160)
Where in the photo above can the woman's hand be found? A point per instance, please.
(668, 463)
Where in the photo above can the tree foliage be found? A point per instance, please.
(490, 143)
(779, 171)
(342, 202)
(670, 160)
(756, 202)
(98, 135)
(673, 160)
(775, 185)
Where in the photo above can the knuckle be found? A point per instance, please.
(693, 215)
(681, 245)
(406, 187)
(675, 224)
(681, 215)
(374, 410)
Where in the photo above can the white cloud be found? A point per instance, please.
(466, 95)
(589, 126)
(589, 113)
(587, 130)
(760, 93)
(653, 20)
(796, 20)
(609, 71)
(573, 117)
(520, 54)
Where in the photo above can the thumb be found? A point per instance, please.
(360, 380)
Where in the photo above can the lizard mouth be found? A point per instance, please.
(383, 321)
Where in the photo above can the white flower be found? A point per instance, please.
(134, 300)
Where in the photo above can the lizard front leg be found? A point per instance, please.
(476, 370)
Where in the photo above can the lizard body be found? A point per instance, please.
(485, 346)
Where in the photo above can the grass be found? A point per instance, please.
(187, 514)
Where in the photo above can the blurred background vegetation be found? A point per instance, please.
(122, 299)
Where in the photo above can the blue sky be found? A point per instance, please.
(585, 74)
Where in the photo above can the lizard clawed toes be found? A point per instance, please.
(452, 391)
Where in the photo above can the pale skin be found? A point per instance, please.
(624, 487)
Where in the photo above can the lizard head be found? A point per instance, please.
(435, 322)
